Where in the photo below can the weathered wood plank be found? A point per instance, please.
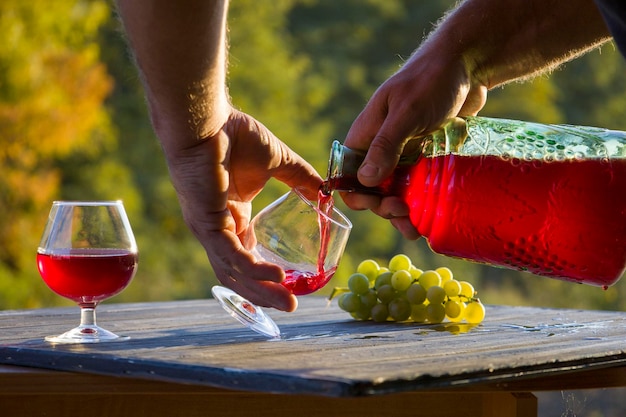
(241, 404)
(322, 351)
(36, 392)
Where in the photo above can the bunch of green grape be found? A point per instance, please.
(403, 292)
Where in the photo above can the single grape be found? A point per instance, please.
(349, 302)
(399, 262)
(369, 299)
(399, 309)
(435, 313)
(358, 283)
(416, 294)
(445, 273)
(383, 279)
(436, 294)
(401, 279)
(475, 312)
(369, 268)
(430, 278)
(362, 313)
(380, 312)
(454, 310)
(461, 316)
(452, 288)
(386, 293)
(341, 301)
(416, 273)
(467, 289)
(418, 313)
(383, 269)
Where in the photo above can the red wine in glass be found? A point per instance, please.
(87, 254)
(306, 282)
(87, 276)
(303, 237)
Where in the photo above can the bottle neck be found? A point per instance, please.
(343, 165)
(344, 162)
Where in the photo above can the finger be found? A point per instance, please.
(379, 162)
(238, 269)
(386, 149)
(391, 207)
(263, 294)
(358, 201)
(474, 102)
(295, 171)
(364, 128)
(241, 212)
(228, 254)
(405, 227)
(397, 211)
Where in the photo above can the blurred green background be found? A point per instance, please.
(73, 125)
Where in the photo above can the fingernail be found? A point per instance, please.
(368, 170)
(289, 305)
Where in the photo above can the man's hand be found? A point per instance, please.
(216, 181)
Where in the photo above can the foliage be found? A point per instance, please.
(52, 85)
(74, 125)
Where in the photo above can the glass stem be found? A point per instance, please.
(88, 317)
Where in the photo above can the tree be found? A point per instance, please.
(74, 125)
(52, 86)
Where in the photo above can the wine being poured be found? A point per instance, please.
(306, 282)
(544, 199)
(306, 239)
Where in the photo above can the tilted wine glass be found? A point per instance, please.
(304, 238)
(87, 254)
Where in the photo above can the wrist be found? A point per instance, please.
(191, 121)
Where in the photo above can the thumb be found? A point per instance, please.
(295, 171)
(382, 156)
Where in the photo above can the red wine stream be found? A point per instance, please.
(301, 282)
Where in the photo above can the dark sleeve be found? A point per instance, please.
(614, 13)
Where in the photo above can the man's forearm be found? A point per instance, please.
(180, 49)
(502, 41)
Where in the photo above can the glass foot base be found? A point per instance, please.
(245, 312)
(84, 334)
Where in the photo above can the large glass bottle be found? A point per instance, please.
(547, 199)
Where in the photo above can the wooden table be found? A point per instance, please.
(190, 358)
